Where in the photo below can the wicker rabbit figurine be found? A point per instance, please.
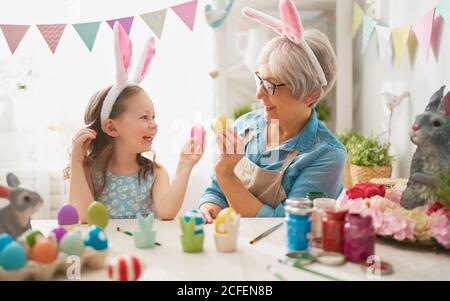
(431, 133)
(23, 203)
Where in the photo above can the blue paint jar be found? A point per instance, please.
(298, 224)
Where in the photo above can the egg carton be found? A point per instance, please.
(38, 271)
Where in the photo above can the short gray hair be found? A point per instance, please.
(290, 64)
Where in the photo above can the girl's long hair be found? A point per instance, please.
(100, 151)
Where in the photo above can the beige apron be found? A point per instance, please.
(265, 185)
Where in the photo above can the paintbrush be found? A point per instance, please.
(300, 266)
(266, 233)
(131, 234)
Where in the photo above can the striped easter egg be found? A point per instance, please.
(198, 217)
(125, 268)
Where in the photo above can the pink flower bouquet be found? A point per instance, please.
(389, 218)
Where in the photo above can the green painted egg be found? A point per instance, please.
(98, 215)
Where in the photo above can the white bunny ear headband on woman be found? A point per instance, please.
(123, 52)
(289, 26)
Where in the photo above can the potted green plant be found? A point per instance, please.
(368, 159)
(347, 139)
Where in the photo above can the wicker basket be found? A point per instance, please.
(347, 178)
(362, 174)
(388, 182)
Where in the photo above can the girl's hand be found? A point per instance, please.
(80, 144)
(192, 152)
(232, 149)
(209, 211)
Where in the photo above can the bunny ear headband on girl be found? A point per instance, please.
(289, 26)
(123, 52)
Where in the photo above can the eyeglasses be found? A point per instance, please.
(268, 86)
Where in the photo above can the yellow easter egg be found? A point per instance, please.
(220, 124)
(220, 221)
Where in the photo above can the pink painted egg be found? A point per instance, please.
(199, 132)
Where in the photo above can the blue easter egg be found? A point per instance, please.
(198, 217)
(5, 239)
(97, 239)
(13, 257)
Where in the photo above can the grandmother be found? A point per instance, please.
(281, 151)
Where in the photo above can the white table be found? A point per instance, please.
(249, 262)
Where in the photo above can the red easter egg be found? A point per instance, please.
(199, 132)
(125, 268)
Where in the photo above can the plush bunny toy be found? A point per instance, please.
(23, 203)
(431, 133)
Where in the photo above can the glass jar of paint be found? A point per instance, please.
(298, 227)
(299, 203)
(332, 230)
(318, 213)
(359, 238)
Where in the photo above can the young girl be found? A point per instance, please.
(106, 161)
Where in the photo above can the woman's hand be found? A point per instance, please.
(80, 144)
(191, 152)
(232, 149)
(209, 211)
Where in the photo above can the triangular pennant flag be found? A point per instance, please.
(14, 34)
(412, 47)
(87, 32)
(436, 34)
(52, 34)
(155, 20)
(125, 22)
(400, 37)
(186, 12)
(383, 36)
(423, 30)
(368, 27)
(357, 17)
(444, 9)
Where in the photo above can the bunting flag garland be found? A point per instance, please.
(384, 37)
(52, 34)
(155, 21)
(14, 35)
(368, 27)
(423, 30)
(186, 12)
(444, 9)
(400, 38)
(126, 23)
(421, 33)
(88, 32)
(357, 18)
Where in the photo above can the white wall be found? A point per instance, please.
(416, 75)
